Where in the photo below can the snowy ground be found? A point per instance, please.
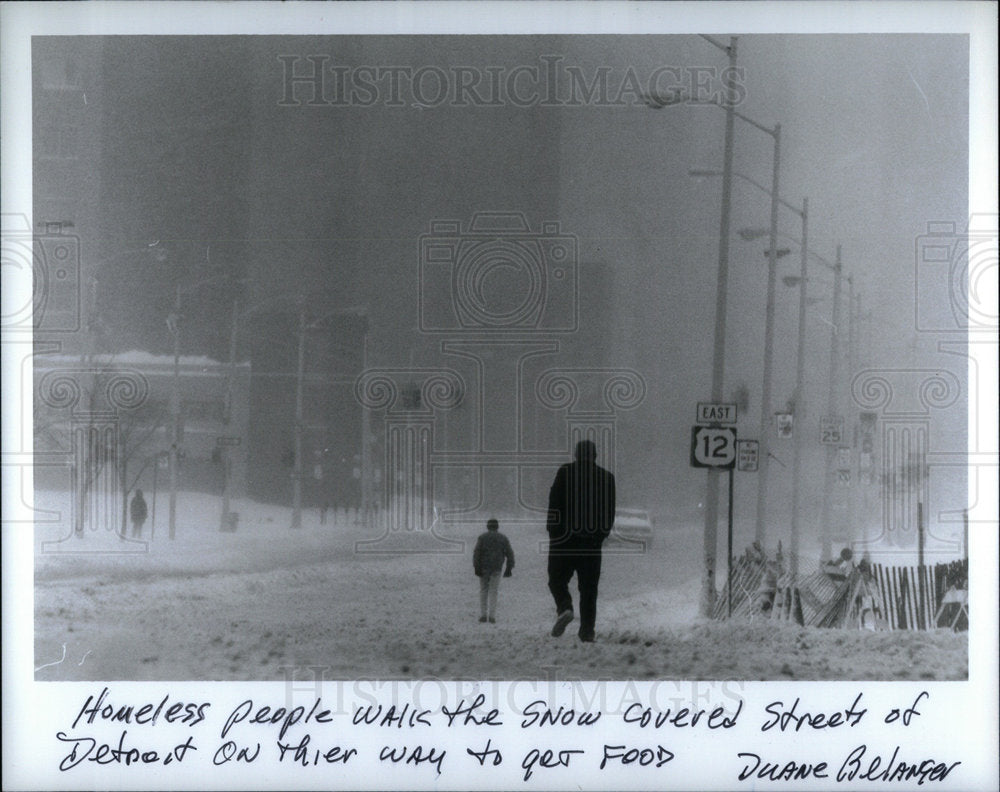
(240, 606)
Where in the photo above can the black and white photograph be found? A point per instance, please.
(612, 355)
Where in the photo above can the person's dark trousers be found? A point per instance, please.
(587, 566)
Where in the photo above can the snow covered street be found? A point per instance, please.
(249, 605)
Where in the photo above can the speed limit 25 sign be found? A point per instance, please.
(713, 447)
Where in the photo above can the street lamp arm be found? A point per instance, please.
(798, 243)
(772, 131)
(718, 44)
(699, 172)
(659, 101)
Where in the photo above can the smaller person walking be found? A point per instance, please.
(492, 549)
(138, 512)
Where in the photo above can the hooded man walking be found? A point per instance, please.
(581, 515)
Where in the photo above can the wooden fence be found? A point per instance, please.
(913, 595)
(893, 597)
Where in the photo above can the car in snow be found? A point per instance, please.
(633, 526)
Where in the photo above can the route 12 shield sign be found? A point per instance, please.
(713, 447)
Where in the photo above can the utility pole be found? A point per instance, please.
(719, 345)
(799, 426)
(227, 461)
(299, 382)
(175, 411)
(760, 531)
(367, 488)
(831, 409)
(851, 416)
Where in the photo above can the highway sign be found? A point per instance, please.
(714, 412)
(831, 429)
(843, 459)
(713, 447)
(747, 455)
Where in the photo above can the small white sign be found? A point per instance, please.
(747, 455)
(831, 429)
(785, 422)
(713, 412)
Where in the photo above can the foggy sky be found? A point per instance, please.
(197, 151)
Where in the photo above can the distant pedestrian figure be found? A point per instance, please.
(581, 515)
(492, 549)
(138, 511)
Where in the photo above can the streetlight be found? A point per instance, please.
(718, 357)
(832, 401)
(800, 402)
(773, 255)
(94, 327)
(831, 406)
(173, 325)
(299, 387)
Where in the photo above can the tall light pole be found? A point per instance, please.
(799, 429)
(719, 336)
(88, 351)
(760, 527)
(719, 340)
(831, 407)
(760, 523)
(849, 417)
(299, 396)
(710, 542)
(174, 324)
(707, 602)
(800, 400)
(297, 471)
(227, 459)
(801, 403)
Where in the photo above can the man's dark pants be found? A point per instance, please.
(586, 563)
